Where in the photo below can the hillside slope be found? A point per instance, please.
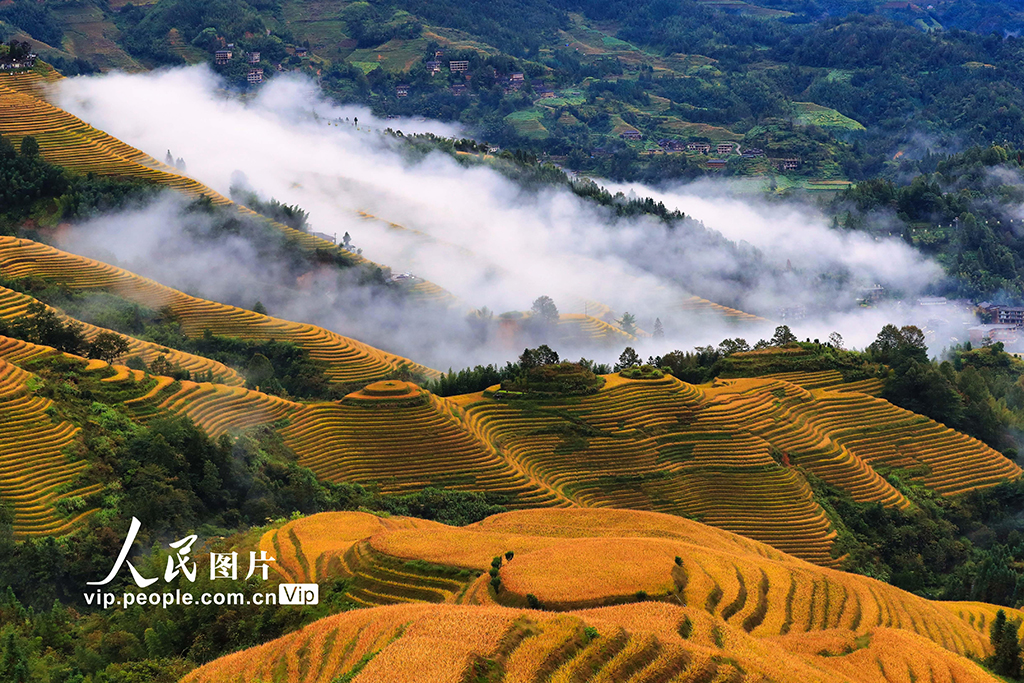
(623, 596)
(348, 360)
(725, 454)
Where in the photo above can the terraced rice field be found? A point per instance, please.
(574, 326)
(34, 472)
(633, 445)
(881, 434)
(66, 140)
(214, 407)
(404, 445)
(731, 609)
(695, 304)
(348, 360)
(15, 304)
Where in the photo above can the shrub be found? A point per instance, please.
(509, 555)
(561, 379)
(686, 627)
(532, 601)
(642, 372)
(679, 561)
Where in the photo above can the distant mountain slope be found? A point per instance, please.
(615, 596)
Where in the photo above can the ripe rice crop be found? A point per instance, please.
(70, 142)
(34, 472)
(347, 360)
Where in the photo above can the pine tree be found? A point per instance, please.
(1003, 635)
(13, 663)
(628, 323)
(659, 330)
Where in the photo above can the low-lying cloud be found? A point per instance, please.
(467, 228)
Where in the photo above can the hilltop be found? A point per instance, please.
(596, 595)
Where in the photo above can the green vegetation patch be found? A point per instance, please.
(811, 114)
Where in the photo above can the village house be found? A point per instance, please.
(516, 78)
(26, 62)
(301, 51)
(457, 66)
(255, 76)
(698, 147)
(1004, 315)
(981, 335)
(716, 163)
(786, 164)
(222, 57)
(631, 135)
(671, 145)
(254, 57)
(752, 153)
(726, 148)
(434, 67)
(402, 91)
(458, 89)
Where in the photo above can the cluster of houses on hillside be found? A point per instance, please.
(720, 149)
(25, 62)
(255, 75)
(1006, 324)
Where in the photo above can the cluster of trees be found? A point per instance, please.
(41, 325)
(976, 391)
(962, 209)
(31, 186)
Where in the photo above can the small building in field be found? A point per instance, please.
(301, 51)
(433, 66)
(631, 135)
(698, 147)
(716, 163)
(458, 90)
(222, 56)
(726, 148)
(457, 66)
(517, 78)
(752, 153)
(402, 91)
(255, 76)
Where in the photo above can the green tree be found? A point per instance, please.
(1003, 635)
(545, 310)
(107, 346)
(659, 329)
(629, 358)
(259, 370)
(628, 323)
(783, 335)
(29, 146)
(13, 662)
